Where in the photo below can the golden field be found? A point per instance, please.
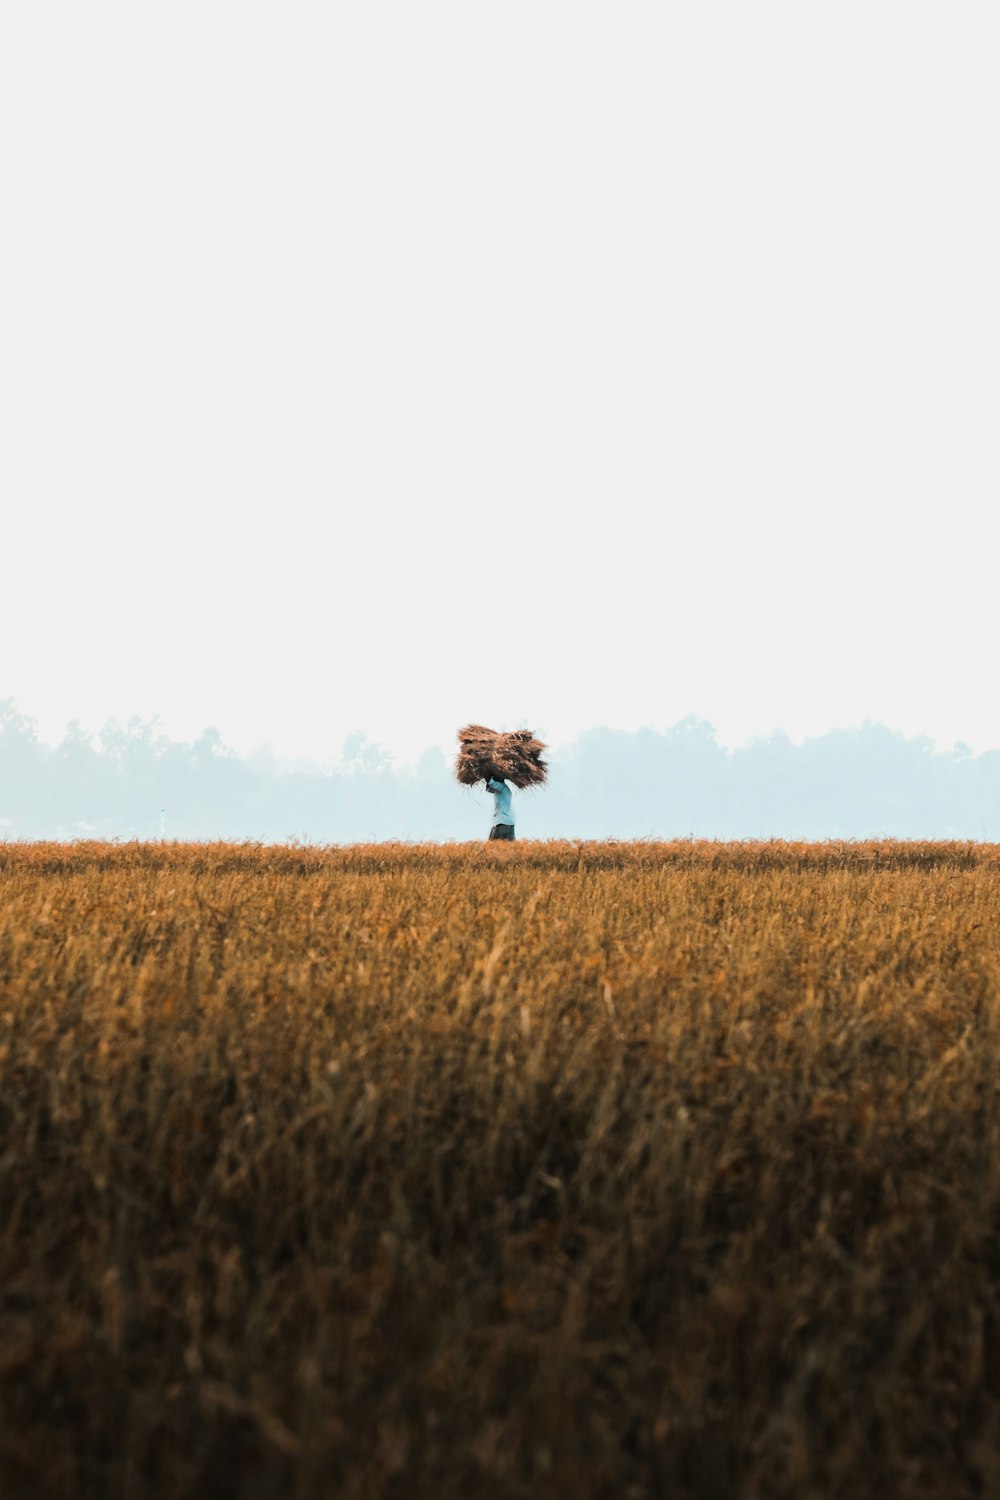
(543, 1169)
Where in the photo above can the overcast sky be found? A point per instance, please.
(386, 366)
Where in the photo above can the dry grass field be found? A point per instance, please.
(547, 1169)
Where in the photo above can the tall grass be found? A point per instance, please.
(540, 1169)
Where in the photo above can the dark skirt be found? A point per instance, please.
(502, 831)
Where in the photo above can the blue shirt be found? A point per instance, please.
(501, 802)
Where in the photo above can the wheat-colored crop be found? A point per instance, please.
(502, 1170)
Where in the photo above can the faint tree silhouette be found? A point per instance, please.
(850, 783)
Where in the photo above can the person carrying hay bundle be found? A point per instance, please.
(503, 818)
(498, 759)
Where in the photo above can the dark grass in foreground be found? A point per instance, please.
(544, 1169)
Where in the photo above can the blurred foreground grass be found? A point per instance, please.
(544, 1169)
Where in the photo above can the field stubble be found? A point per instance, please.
(592, 1170)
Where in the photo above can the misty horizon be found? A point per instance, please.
(131, 780)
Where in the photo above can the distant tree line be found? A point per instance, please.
(132, 781)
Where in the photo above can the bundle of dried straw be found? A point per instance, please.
(515, 757)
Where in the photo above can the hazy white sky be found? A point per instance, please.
(385, 366)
